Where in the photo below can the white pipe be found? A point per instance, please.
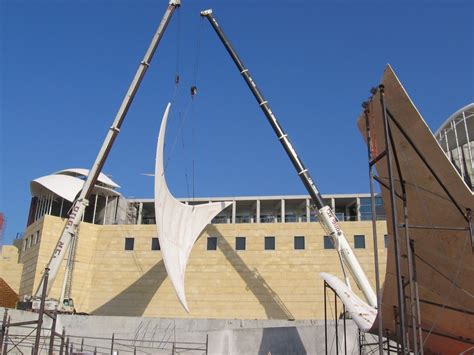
(468, 142)
(461, 161)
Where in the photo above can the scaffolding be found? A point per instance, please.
(34, 337)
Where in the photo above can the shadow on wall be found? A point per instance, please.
(139, 294)
(269, 299)
(277, 341)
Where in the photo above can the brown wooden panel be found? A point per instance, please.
(444, 259)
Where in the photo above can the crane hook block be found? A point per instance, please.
(194, 91)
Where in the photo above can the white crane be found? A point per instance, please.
(67, 239)
(325, 214)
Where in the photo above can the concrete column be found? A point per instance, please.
(234, 211)
(105, 208)
(41, 207)
(140, 213)
(282, 211)
(358, 208)
(258, 211)
(37, 208)
(50, 204)
(95, 209)
(308, 210)
(333, 204)
(61, 209)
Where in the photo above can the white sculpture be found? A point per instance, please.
(178, 225)
(362, 314)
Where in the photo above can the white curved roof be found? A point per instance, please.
(67, 185)
(104, 179)
(64, 186)
(469, 108)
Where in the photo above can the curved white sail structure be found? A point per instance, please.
(178, 225)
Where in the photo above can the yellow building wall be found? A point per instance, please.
(10, 268)
(225, 283)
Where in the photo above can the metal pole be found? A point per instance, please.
(4, 328)
(401, 301)
(336, 322)
(5, 343)
(345, 330)
(325, 321)
(82, 344)
(61, 347)
(53, 332)
(388, 342)
(80, 204)
(41, 312)
(413, 303)
(112, 344)
(67, 346)
(378, 289)
(417, 298)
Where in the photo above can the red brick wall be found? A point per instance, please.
(8, 297)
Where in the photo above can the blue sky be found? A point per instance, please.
(65, 67)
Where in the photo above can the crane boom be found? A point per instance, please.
(80, 204)
(326, 216)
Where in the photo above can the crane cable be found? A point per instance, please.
(183, 115)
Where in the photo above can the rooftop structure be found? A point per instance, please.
(54, 194)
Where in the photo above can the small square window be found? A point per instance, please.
(359, 241)
(385, 241)
(269, 243)
(239, 243)
(211, 243)
(155, 244)
(328, 244)
(129, 243)
(299, 243)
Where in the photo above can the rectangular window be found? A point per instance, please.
(30, 241)
(211, 243)
(299, 243)
(239, 243)
(328, 244)
(155, 244)
(129, 243)
(37, 237)
(359, 241)
(385, 241)
(269, 243)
